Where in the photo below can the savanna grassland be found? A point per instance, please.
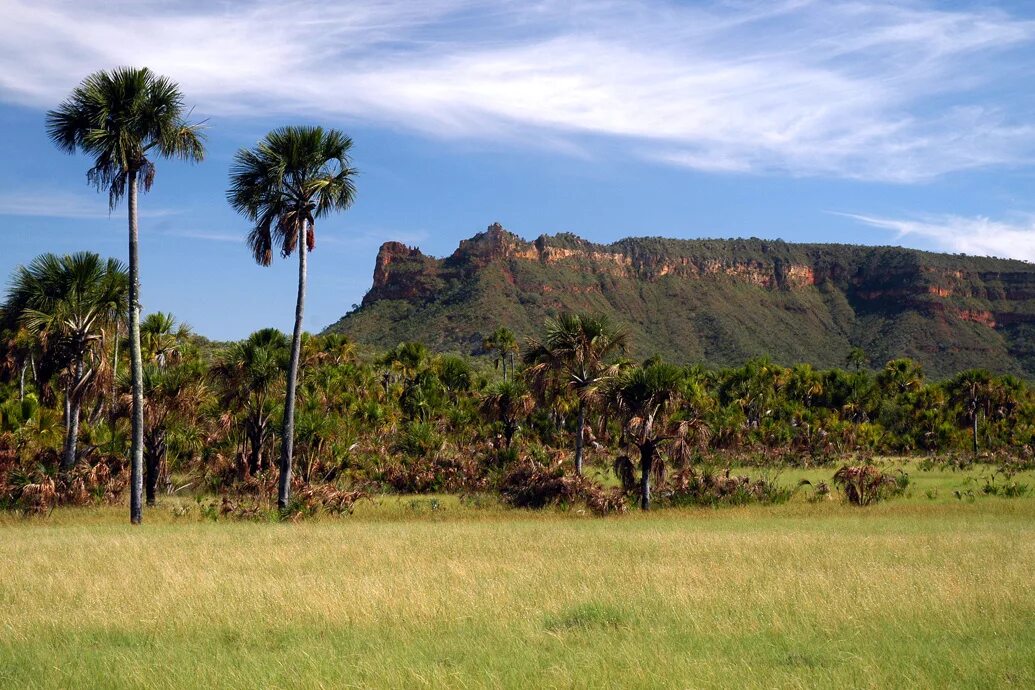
(926, 589)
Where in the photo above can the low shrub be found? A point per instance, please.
(36, 486)
(693, 486)
(866, 484)
(529, 483)
(1001, 483)
(258, 501)
(439, 473)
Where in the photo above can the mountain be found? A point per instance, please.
(717, 302)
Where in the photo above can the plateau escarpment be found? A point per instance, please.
(712, 301)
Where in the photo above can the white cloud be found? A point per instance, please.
(206, 235)
(976, 235)
(60, 204)
(871, 89)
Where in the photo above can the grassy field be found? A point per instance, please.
(921, 591)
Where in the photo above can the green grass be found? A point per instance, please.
(433, 591)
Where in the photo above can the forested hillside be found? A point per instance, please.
(716, 302)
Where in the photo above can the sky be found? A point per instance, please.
(908, 123)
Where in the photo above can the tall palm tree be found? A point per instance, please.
(123, 119)
(71, 304)
(292, 177)
(577, 348)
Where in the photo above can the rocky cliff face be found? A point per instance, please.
(719, 301)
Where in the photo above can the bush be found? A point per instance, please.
(866, 484)
(533, 484)
(36, 487)
(258, 501)
(436, 474)
(691, 486)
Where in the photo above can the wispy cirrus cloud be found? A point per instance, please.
(868, 89)
(976, 235)
(62, 204)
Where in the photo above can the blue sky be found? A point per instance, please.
(909, 123)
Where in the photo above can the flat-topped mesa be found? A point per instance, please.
(713, 301)
(625, 259)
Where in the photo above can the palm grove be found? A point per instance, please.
(567, 419)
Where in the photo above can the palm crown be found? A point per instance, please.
(68, 299)
(292, 177)
(577, 346)
(121, 118)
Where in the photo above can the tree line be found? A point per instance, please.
(410, 420)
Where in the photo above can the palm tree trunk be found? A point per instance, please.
(114, 378)
(646, 456)
(579, 433)
(288, 435)
(21, 381)
(152, 457)
(136, 462)
(72, 407)
(975, 433)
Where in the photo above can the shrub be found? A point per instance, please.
(691, 486)
(1001, 483)
(532, 484)
(866, 484)
(436, 474)
(36, 487)
(307, 500)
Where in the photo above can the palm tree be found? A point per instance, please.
(857, 358)
(71, 304)
(249, 373)
(173, 395)
(507, 402)
(576, 349)
(162, 338)
(123, 119)
(901, 376)
(648, 396)
(503, 342)
(971, 392)
(292, 177)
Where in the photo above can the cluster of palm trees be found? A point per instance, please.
(125, 119)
